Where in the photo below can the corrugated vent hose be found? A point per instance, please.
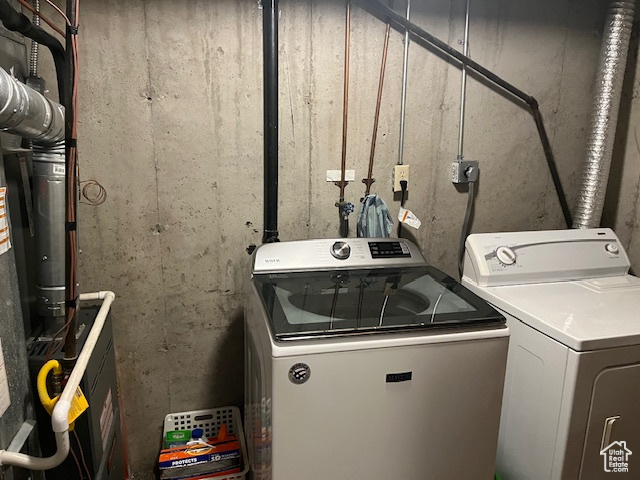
(604, 117)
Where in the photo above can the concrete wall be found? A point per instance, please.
(171, 125)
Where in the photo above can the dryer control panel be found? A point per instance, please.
(514, 258)
(342, 253)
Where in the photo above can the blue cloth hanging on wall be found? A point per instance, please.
(374, 219)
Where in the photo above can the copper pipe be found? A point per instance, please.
(45, 19)
(345, 115)
(401, 23)
(369, 180)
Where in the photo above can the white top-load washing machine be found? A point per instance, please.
(571, 406)
(362, 362)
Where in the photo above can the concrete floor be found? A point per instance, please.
(171, 125)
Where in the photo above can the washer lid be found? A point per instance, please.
(585, 315)
(349, 302)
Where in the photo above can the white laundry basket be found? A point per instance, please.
(210, 421)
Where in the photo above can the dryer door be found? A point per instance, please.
(600, 406)
(613, 428)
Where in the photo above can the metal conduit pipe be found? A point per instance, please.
(401, 23)
(463, 86)
(604, 117)
(29, 114)
(35, 46)
(405, 76)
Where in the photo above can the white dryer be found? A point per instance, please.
(362, 362)
(571, 407)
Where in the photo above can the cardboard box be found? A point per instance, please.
(197, 462)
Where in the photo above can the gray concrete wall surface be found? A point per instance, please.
(171, 125)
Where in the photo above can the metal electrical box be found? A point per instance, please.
(98, 429)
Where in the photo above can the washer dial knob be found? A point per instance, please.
(612, 248)
(341, 250)
(506, 256)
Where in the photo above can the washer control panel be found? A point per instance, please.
(494, 259)
(389, 249)
(339, 253)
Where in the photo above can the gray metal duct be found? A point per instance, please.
(604, 117)
(25, 112)
(49, 221)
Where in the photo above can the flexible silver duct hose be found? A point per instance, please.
(49, 221)
(604, 117)
(27, 113)
(35, 46)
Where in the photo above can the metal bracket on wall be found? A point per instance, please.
(340, 184)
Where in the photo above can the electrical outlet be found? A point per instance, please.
(400, 172)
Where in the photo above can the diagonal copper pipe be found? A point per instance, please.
(369, 180)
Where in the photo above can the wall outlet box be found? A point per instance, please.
(464, 171)
(400, 172)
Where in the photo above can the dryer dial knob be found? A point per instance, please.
(506, 255)
(341, 250)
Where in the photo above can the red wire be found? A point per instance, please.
(57, 9)
(84, 463)
(73, 454)
(73, 162)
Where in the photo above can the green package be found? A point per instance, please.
(177, 438)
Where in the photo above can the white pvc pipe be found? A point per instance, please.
(60, 415)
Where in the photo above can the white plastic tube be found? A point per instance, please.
(60, 415)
